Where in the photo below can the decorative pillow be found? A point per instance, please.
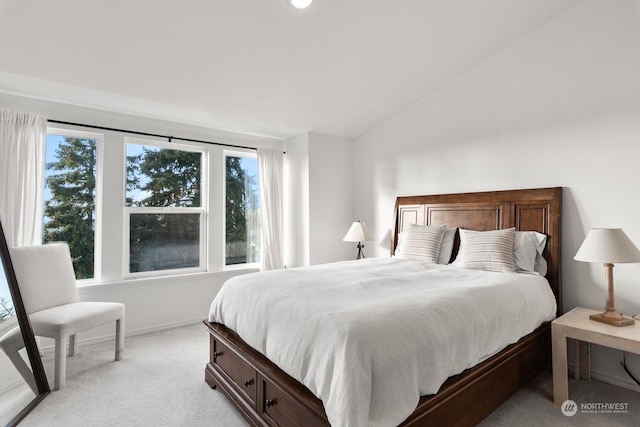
(487, 250)
(423, 242)
(528, 246)
(446, 247)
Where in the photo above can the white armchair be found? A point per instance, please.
(48, 286)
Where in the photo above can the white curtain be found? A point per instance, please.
(22, 145)
(270, 171)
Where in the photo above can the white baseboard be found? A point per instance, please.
(6, 388)
(14, 397)
(620, 382)
(110, 337)
(610, 379)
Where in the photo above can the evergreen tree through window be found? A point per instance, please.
(70, 198)
(163, 197)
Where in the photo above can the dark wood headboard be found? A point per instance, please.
(538, 209)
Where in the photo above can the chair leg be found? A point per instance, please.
(24, 371)
(73, 345)
(61, 363)
(119, 338)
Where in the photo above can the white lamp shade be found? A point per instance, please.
(608, 245)
(358, 233)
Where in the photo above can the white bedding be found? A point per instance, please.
(369, 337)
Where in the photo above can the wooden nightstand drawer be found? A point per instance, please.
(240, 372)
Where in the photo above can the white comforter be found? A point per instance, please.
(369, 337)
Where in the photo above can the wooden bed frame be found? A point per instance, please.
(266, 396)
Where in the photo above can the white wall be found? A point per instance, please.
(559, 107)
(319, 200)
(330, 198)
(152, 303)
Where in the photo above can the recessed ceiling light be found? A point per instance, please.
(300, 4)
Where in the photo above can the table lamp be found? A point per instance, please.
(608, 246)
(358, 233)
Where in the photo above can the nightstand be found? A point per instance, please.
(576, 324)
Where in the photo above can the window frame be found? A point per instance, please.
(202, 210)
(99, 195)
(112, 222)
(234, 153)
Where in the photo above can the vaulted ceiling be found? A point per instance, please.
(254, 66)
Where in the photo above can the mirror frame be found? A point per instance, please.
(27, 332)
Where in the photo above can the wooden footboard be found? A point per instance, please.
(468, 398)
(266, 396)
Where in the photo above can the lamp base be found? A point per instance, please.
(612, 318)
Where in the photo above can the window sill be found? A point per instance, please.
(129, 282)
(255, 266)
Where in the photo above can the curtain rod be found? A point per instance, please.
(133, 132)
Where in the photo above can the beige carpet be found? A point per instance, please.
(160, 382)
(532, 406)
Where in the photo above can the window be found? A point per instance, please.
(164, 207)
(70, 196)
(131, 207)
(242, 213)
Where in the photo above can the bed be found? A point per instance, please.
(266, 395)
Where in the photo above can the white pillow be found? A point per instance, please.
(446, 247)
(423, 242)
(402, 239)
(527, 248)
(487, 250)
(540, 266)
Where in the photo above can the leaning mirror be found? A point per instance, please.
(23, 383)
